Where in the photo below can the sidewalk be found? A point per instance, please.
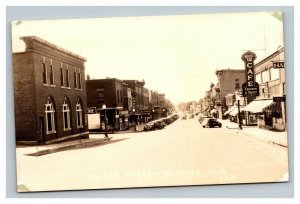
(39, 150)
(139, 128)
(279, 138)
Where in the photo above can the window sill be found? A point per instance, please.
(67, 129)
(80, 127)
(50, 132)
(52, 85)
(45, 84)
(78, 89)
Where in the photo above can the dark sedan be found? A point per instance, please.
(211, 122)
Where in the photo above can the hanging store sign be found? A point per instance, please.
(250, 87)
(278, 65)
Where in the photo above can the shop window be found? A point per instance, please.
(50, 116)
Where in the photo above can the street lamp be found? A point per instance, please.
(104, 108)
(239, 112)
(133, 110)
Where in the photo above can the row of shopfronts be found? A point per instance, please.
(266, 110)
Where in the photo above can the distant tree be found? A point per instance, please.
(182, 106)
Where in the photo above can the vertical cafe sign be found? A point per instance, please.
(250, 87)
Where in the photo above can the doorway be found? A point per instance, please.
(41, 138)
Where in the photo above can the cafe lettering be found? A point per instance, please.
(250, 87)
(249, 58)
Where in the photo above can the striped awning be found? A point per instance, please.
(257, 106)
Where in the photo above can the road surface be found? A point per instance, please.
(183, 153)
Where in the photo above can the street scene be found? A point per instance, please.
(183, 153)
(150, 101)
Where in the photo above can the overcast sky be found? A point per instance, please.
(175, 55)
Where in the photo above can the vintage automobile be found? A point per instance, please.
(149, 126)
(211, 122)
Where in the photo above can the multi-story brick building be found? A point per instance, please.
(49, 91)
(229, 81)
(108, 92)
(137, 95)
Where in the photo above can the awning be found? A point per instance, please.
(230, 109)
(257, 106)
(236, 110)
(274, 107)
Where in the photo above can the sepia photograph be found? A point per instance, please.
(150, 101)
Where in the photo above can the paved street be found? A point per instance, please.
(183, 153)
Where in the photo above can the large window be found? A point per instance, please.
(61, 75)
(66, 114)
(274, 74)
(44, 72)
(77, 78)
(100, 95)
(265, 76)
(79, 114)
(258, 78)
(51, 74)
(50, 116)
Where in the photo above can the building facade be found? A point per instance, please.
(229, 81)
(50, 93)
(271, 80)
(107, 97)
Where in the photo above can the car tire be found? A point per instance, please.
(203, 126)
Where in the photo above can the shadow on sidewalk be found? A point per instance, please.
(73, 147)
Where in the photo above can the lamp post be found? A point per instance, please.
(239, 112)
(104, 108)
(133, 110)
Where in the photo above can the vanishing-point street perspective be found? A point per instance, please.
(150, 101)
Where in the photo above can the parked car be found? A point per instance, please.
(202, 118)
(149, 126)
(211, 122)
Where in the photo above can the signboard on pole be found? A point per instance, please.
(250, 88)
(91, 110)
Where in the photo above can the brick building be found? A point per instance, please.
(108, 92)
(229, 81)
(49, 91)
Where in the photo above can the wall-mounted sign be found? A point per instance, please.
(91, 110)
(278, 98)
(248, 58)
(278, 65)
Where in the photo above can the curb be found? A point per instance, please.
(70, 147)
(263, 139)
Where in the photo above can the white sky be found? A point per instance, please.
(175, 55)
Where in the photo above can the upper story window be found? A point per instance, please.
(77, 78)
(51, 73)
(67, 81)
(44, 70)
(100, 95)
(274, 74)
(265, 75)
(237, 83)
(258, 78)
(62, 78)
